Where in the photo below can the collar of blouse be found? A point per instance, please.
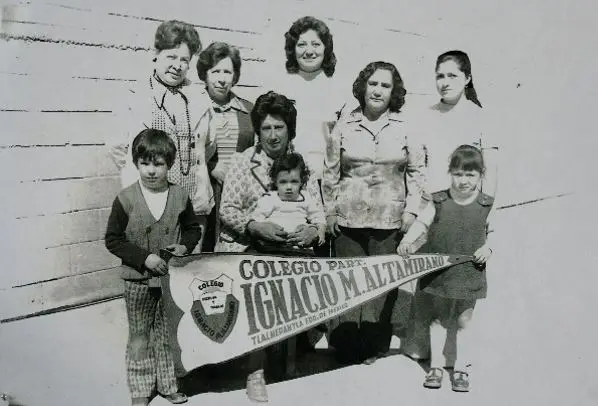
(160, 90)
(234, 103)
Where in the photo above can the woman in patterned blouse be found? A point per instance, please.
(274, 118)
(372, 187)
(162, 101)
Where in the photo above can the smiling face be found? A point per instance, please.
(377, 92)
(309, 51)
(172, 64)
(153, 173)
(274, 136)
(219, 80)
(450, 81)
(288, 185)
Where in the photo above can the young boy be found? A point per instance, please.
(459, 222)
(150, 215)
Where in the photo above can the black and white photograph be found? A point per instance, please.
(298, 202)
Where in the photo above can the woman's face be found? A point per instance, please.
(450, 81)
(219, 80)
(172, 64)
(274, 136)
(377, 92)
(309, 51)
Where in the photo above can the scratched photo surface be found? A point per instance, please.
(69, 70)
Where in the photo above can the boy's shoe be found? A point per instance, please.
(460, 381)
(176, 398)
(434, 378)
(256, 386)
(139, 401)
(370, 360)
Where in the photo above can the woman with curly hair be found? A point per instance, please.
(373, 187)
(310, 66)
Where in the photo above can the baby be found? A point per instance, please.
(287, 205)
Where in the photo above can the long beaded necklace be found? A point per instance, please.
(174, 90)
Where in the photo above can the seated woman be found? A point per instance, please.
(373, 186)
(274, 119)
(288, 205)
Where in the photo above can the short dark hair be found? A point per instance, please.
(292, 37)
(461, 59)
(171, 34)
(288, 162)
(274, 104)
(397, 96)
(467, 158)
(214, 53)
(151, 144)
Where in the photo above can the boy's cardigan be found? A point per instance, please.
(133, 233)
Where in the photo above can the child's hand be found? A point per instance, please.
(405, 248)
(482, 254)
(177, 249)
(156, 265)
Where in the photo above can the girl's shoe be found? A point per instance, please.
(460, 381)
(434, 378)
(176, 398)
(256, 386)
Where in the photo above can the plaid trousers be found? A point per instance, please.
(148, 357)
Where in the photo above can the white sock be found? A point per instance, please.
(437, 339)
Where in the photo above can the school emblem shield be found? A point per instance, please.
(214, 308)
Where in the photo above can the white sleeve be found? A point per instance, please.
(263, 209)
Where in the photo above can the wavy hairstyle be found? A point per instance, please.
(214, 53)
(301, 26)
(397, 95)
(288, 162)
(462, 60)
(274, 104)
(170, 34)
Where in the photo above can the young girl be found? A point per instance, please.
(444, 300)
(150, 215)
(287, 205)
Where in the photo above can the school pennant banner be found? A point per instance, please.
(221, 306)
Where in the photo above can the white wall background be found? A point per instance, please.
(65, 67)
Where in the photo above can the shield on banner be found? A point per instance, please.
(215, 308)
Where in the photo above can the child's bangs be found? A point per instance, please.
(153, 144)
(153, 152)
(467, 158)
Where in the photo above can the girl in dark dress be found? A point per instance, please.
(445, 300)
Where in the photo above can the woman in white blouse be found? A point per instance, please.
(456, 119)
(310, 66)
